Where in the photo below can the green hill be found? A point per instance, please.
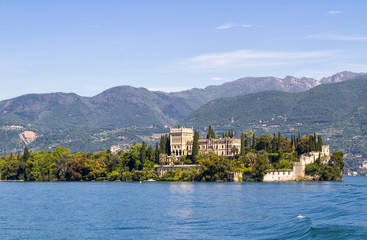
(117, 107)
(337, 111)
(124, 114)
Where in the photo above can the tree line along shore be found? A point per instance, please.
(256, 156)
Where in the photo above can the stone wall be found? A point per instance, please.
(297, 173)
(280, 176)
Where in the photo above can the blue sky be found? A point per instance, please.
(86, 46)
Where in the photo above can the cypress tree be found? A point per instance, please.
(319, 142)
(157, 153)
(143, 153)
(253, 141)
(279, 141)
(274, 144)
(149, 153)
(315, 148)
(163, 144)
(168, 145)
(195, 146)
(211, 133)
(243, 151)
(26, 154)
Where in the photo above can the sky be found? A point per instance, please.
(87, 46)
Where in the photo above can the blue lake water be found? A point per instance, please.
(119, 210)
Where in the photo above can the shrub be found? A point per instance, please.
(113, 176)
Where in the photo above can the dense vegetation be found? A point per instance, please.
(336, 111)
(257, 155)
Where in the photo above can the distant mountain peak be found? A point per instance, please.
(342, 76)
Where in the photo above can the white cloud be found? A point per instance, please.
(217, 78)
(333, 12)
(251, 58)
(337, 37)
(231, 25)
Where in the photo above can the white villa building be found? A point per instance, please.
(181, 140)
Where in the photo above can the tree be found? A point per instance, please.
(163, 158)
(39, 167)
(260, 167)
(112, 162)
(168, 145)
(150, 154)
(314, 143)
(303, 145)
(26, 154)
(132, 158)
(319, 143)
(264, 143)
(243, 145)
(96, 167)
(163, 143)
(312, 169)
(279, 142)
(283, 164)
(61, 157)
(337, 160)
(211, 133)
(143, 153)
(77, 169)
(274, 144)
(156, 153)
(22, 165)
(195, 146)
(253, 141)
(214, 168)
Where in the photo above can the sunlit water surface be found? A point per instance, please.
(119, 210)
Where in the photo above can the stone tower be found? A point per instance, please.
(178, 140)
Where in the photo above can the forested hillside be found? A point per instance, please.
(337, 111)
(124, 114)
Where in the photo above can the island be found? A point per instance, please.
(267, 159)
(184, 155)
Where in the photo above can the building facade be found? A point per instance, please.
(181, 140)
(311, 157)
(179, 137)
(299, 168)
(221, 147)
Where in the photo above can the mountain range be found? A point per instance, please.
(127, 106)
(124, 113)
(337, 111)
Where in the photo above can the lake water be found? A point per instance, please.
(119, 210)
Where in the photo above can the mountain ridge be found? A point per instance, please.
(125, 106)
(123, 113)
(337, 111)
